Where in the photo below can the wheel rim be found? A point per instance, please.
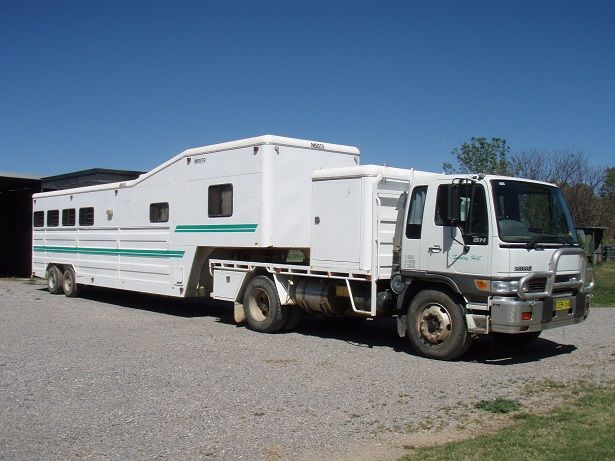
(52, 280)
(259, 305)
(434, 324)
(68, 283)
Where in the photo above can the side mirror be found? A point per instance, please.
(453, 214)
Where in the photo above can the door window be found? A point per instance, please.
(415, 213)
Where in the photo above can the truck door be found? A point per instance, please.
(448, 250)
(413, 231)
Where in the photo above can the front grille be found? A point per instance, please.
(538, 284)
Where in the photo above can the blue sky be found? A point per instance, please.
(128, 84)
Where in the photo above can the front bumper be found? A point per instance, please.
(507, 313)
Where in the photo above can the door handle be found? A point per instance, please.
(435, 249)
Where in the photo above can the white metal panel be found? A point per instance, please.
(337, 223)
(387, 196)
(227, 284)
(287, 199)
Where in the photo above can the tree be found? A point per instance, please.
(482, 156)
(582, 184)
(608, 187)
(607, 194)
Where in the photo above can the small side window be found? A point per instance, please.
(68, 217)
(220, 201)
(38, 219)
(159, 212)
(53, 218)
(415, 213)
(86, 216)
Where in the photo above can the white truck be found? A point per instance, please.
(282, 226)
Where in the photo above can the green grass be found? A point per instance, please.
(604, 291)
(499, 405)
(582, 429)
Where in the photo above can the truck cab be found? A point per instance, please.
(486, 255)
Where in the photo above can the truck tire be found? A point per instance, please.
(262, 306)
(69, 284)
(436, 326)
(55, 280)
(516, 340)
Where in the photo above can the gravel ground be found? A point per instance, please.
(127, 376)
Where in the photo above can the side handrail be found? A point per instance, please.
(523, 289)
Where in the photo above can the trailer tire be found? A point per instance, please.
(55, 280)
(69, 284)
(516, 340)
(436, 326)
(262, 306)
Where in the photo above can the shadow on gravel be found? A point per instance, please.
(383, 333)
(358, 332)
(181, 307)
(484, 350)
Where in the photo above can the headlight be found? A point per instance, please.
(589, 280)
(504, 286)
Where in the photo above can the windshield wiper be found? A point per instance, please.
(534, 240)
(563, 240)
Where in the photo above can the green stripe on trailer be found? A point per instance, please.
(216, 228)
(111, 251)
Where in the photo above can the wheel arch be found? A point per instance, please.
(61, 266)
(248, 278)
(417, 285)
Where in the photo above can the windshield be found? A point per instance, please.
(531, 213)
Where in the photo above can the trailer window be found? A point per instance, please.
(68, 217)
(415, 213)
(86, 216)
(158, 212)
(39, 219)
(220, 201)
(53, 218)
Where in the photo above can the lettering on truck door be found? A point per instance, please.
(447, 247)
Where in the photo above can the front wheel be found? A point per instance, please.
(436, 326)
(262, 306)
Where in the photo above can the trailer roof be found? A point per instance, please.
(272, 139)
(267, 139)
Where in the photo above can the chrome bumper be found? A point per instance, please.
(507, 313)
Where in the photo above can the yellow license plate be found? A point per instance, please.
(562, 304)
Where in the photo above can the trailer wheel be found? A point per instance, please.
(517, 340)
(69, 285)
(436, 326)
(262, 306)
(54, 280)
